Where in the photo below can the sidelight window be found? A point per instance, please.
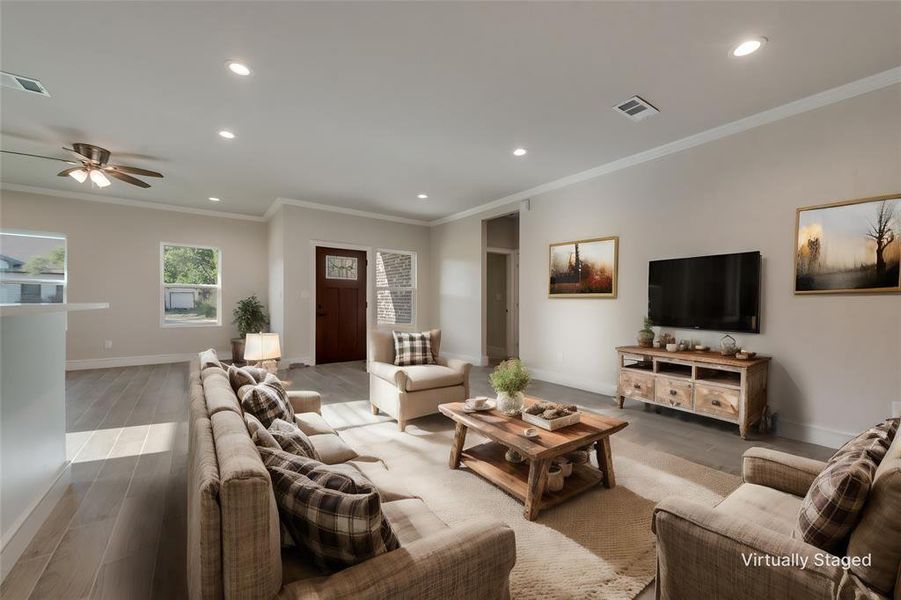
(395, 287)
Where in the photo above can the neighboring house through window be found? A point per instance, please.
(32, 267)
(395, 287)
(190, 285)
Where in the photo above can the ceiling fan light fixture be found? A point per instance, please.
(99, 179)
(80, 175)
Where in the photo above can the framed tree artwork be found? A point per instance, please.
(851, 246)
(583, 268)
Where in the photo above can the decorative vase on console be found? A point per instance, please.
(509, 380)
(646, 335)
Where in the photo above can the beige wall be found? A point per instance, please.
(301, 227)
(837, 358)
(114, 256)
(503, 232)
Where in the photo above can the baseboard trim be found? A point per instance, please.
(812, 434)
(290, 360)
(598, 387)
(135, 361)
(27, 526)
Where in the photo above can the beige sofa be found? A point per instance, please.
(700, 550)
(234, 536)
(416, 391)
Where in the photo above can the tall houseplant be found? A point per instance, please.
(509, 380)
(249, 316)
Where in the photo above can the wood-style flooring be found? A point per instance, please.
(119, 530)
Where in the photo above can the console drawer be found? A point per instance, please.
(673, 392)
(718, 401)
(636, 385)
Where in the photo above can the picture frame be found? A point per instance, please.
(847, 247)
(586, 268)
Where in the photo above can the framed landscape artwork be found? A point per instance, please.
(583, 268)
(852, 246)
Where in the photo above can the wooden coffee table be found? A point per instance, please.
(526, 481)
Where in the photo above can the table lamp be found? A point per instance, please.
(263, 349)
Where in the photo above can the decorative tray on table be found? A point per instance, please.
(551, 416)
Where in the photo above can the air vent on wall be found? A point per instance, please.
(25, 84)
(636, 108)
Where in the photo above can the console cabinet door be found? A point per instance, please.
(719, 401)
(673, 392)
(636, 385)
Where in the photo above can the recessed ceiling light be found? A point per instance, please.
(227, 134)
(422, 196)
(214, 199)
(238, 68)
(748, 47)
(520, 152)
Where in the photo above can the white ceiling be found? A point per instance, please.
(365, 105)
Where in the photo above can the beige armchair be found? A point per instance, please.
(416, 391)
(704, 552)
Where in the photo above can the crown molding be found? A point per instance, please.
(279, 202)
(15, 187)
(819, 100)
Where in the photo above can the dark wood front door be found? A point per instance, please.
(340, 305)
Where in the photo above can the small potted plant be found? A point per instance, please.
(249, 317)
(509, 380)
(646, 335)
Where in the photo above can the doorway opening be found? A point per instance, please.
(341, 304)
(502, 288)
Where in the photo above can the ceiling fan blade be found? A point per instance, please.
(93, 153)
(67, 171)
(71, 162)
(132, 170)
(126, 178)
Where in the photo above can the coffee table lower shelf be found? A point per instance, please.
(488, 461)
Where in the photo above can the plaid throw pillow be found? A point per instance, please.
(259, 434)
(413, 349)
(337, 520)
(875, 441)
(306, 466)
(238, 377)
(268, 401)
(834, 503)
(291, 439)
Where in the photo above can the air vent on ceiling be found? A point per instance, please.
(25, 84)
(636, 108)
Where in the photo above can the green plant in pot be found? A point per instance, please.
(249, 317)
(509, 380)
(646, 335)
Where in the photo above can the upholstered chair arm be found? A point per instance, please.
(303, 401)
(460, 366)
(389, 372)
(704, 553)
(472, 560)
(780, 470)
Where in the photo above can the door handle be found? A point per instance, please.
(673, 392)
(637, 386)
(715, 402)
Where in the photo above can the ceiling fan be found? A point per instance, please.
(95, 165)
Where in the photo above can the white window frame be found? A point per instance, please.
(414, 264)
(164, 285)
(24, 280)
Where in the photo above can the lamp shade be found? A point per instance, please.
(262, 346)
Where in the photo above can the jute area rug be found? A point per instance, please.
(597, 545)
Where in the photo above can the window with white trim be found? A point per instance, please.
(190, 286)
(32, 267)
(395, 287)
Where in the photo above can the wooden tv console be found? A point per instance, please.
(705, 383)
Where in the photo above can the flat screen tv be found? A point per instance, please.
(720, 292)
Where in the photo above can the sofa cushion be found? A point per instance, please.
(391, 487)
(268, 401)
(337, 520)
(332, 449)
(209, 358)
(763, 506)
(834, 503)
(312, 423)
(412, 520)
(429, 377)
(218, 393)
(241, 376)
(291, 439)
(204, 518)
(879, 531)
(412, 348)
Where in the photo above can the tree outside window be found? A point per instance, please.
(191, 285)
